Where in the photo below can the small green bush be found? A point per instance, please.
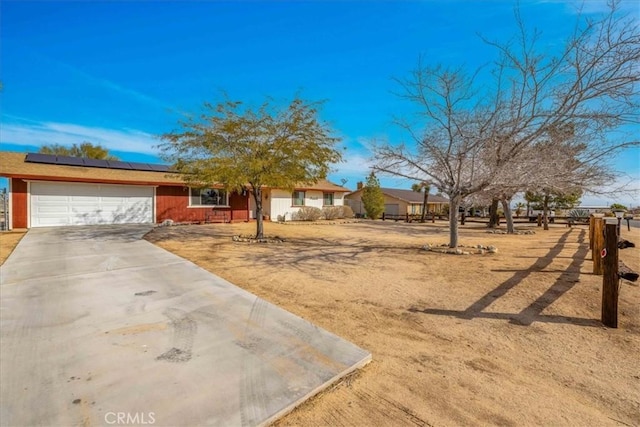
(308, 213)
(579, 213)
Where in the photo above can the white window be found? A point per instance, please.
(327, 199)
(208, 197)
(297, 198)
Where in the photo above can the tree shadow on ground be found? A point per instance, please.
(124, 233)
(177, 232)
(407, 229)
(533, 312)
(313, 255)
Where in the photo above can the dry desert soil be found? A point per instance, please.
(511, 338)
(8, 241)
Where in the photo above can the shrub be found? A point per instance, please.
(347, 212)
(372, 197)
(338, 212)
(579, 213)
(332, 212)
(308, 213)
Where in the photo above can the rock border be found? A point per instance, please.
(517, 232)
(250, 239)
(460, 250)
(323, 222)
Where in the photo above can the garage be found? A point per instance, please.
(391, 209)
(66, 203)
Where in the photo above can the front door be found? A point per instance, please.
(239, 206)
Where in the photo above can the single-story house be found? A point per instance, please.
(281, 205)
(49, 190)
(399, 202)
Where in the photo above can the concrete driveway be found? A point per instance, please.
(99, 327)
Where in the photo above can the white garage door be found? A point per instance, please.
(66, 203)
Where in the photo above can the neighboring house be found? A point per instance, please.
(281, 205)
(49, 190)
(398, 202)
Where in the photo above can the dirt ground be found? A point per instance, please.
(511, 338)
(8, 241)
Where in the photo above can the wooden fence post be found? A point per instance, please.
(598, 245)
(592, 221)
(383, 216)
(539, 220)
(610, 279)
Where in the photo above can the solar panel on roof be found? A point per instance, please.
(160, 168)
(116, 164)
(53, 159)
(69, 161)
(40, 158)
(140, 166)
(96, 163)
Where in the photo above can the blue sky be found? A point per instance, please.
(121, 73)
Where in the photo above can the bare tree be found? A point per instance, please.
(473, 136)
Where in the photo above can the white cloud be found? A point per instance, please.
(625, 190)
(45, 133)
(354, 164)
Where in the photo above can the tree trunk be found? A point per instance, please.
(454, 204)
(494, 220)
(508, 215)
(545, 208)
(257, 196)
(424, 205)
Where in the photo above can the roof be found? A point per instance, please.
(13, 165)
(323, 185)
(409, 196)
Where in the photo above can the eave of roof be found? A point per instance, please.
(13, 165)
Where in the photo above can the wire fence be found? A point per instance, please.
(4, 210)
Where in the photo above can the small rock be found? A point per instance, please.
(492, 250)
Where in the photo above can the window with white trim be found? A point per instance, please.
(327, 199)
(208, 197)
(297, 198)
